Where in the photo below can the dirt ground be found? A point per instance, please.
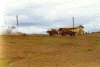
(46, 51)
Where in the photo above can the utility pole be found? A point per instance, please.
(17, 20)
(5, 22)
(73, 23)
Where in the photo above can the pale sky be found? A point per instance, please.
(36, 16)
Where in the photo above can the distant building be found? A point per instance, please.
(77, 29)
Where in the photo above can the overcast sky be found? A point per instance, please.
(36, 16)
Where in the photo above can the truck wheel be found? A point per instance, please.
(63, 34)
(50, 34)
(74, 33)
(70, 34)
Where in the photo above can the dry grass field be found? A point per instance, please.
(46, 51)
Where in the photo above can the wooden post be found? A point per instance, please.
(73, 23)
(17, 20)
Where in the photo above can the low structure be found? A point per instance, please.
(76, 30)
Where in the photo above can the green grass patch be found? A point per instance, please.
(98, 43)
(4, 63)
(98, 46)
(76, 44)
(82, 50)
